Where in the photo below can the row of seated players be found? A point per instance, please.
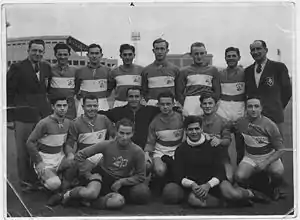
(91, 162)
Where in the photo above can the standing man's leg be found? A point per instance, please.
(25, 169)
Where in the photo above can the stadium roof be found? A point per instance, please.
(75, 44)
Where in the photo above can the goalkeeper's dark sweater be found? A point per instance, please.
(198, 163)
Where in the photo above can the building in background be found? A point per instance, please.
(17, 50)
(182, 60)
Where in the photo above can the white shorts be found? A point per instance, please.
(95, 159)
(163, 150)
(231, 110)
(118, 103)
(52, 161)
(152, 102)
(102, 105)
(191, 105)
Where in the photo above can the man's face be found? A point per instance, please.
(60, 108)
(232, 59)
(94, 55)
(90, 108)
(160, 51)
(62, 56)
(194, 131)
(166, 105)
(254, 108)
(199, 54)
(208, 105)
(124, 135)
(36, 52)
(134, 98)
(127, 57)
(257, 51)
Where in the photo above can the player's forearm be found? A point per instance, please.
(68, 149)
(149, 148)
(275, 156)
(33, 152)
(133, 180)
(225, 142)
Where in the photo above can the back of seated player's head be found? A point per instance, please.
(90, 97)
(206, 95)
(166, 94)
(191, 119)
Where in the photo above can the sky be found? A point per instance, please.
(217, 25)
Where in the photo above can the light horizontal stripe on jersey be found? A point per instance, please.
(170, 135)
(233, 89)
(128, 80)
(255, 141)
(199, 79)
(92, 137)
(63, 82)
(161, 81)
(53, 140)
(166, 150)
(94, 85)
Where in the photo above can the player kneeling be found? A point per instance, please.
(199, 169)
(122, 171)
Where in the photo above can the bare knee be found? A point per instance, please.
(90, 193)
(160, 169)
(194, 201)
(229, 192)
(52, 183)
(114, 201)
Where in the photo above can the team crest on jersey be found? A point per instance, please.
(136, 79)
(239, 86)
(71, 82)
(101, 84)
(120, 162)
(261, 140)
(269, 81)
(169, 80)
(208, 81)
(177, 133)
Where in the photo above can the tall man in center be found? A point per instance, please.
(93, 79)
(161, 75)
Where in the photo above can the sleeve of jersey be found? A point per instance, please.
(286, 86)
(226, 133)
(216, 84)
(180, 86)
(219, 169)
(151, 139)
(179, 165)
(111, 84)
(32, 142)
(144, 84)
(139, 170)
(71, 138)
(276, 138)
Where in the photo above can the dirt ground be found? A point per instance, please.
(36, 202)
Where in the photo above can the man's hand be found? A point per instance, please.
(207, 136)
(148, 158)
(40, 168)
(143, 102)
(215, 142)
(196, 189)
(116, 185)
(204, 189)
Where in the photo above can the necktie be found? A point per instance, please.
(258, 69)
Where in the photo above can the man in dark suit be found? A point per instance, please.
(270, 81)
(26, 91)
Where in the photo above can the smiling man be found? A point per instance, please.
(126, 75)
(62, 81)
(270, 80)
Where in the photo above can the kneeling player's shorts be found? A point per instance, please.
(52, 161)
(161, 150)
(253, 160)
(191, 105)
(231, 110)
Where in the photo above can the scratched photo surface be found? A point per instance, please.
(217, 25)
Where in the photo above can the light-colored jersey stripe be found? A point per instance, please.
(161, 81)
(63, 82)
(93, 137)
(199, 79)
(255, 141)
(233, 88)
(97, 85)
(169, 135)
(53, 140)
(128, 80)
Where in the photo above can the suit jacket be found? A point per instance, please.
(26, 92)
(274, 89)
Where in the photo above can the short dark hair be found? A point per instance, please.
(36, 41)
(160, 40)
(61, 45)
(134, 88)
(255, 96)
(125, 122)
(89, 96)
(197, 44)
(232, 49)
(94, 46)
(206, 95)
(263, 43)
(166, 94)
(192, 119)
(126, 47)
(54, 99)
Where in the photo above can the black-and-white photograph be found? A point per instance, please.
(135, 109)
